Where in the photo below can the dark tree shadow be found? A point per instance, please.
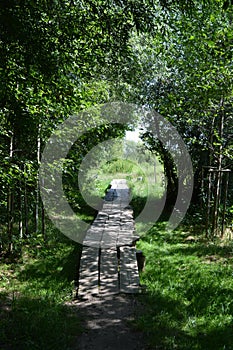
(34, 323)
(31, 321)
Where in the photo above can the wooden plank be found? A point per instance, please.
(127, 226)
(99, 224)
(101, 214)
(114, 217)
(93, 237)
(88, 272)
(126, 241)
(126, 216)
(106, 206)
(109, 238)
(109, 283)
(129, 277)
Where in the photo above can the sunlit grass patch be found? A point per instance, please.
(189, 291)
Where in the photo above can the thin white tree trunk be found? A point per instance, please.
(10, 204)
(219, 172)
(37, 184)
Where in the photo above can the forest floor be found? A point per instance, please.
(186, 303)
(108, 323)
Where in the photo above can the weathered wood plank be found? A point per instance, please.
(109, 238)
(126, 241)
(109, 282)
(93, 237)
(88, 273)
(129, 277)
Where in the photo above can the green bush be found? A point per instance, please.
(119, 166)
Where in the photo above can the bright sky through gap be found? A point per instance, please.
(132, 135)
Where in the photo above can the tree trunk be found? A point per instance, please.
(20, 212)
(37, 184)
(43, 222)
(217, 196)
(10, 205)
(26, 209)
(225, 201)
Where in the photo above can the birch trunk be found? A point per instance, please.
(10, 204)
(37, 184)
(219, 173)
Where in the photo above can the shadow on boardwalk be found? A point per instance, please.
(108, 325)
(108, 269)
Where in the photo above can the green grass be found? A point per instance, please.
(189, 299)
(34, 291)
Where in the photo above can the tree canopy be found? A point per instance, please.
(60, 57)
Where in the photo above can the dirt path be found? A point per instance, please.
(107, 324)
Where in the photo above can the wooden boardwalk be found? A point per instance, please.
(108, 263)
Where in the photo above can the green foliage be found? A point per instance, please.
(118, 166)
(64, 57)
(53, 61)
(186, 76)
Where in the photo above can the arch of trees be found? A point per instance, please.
(60, 57)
